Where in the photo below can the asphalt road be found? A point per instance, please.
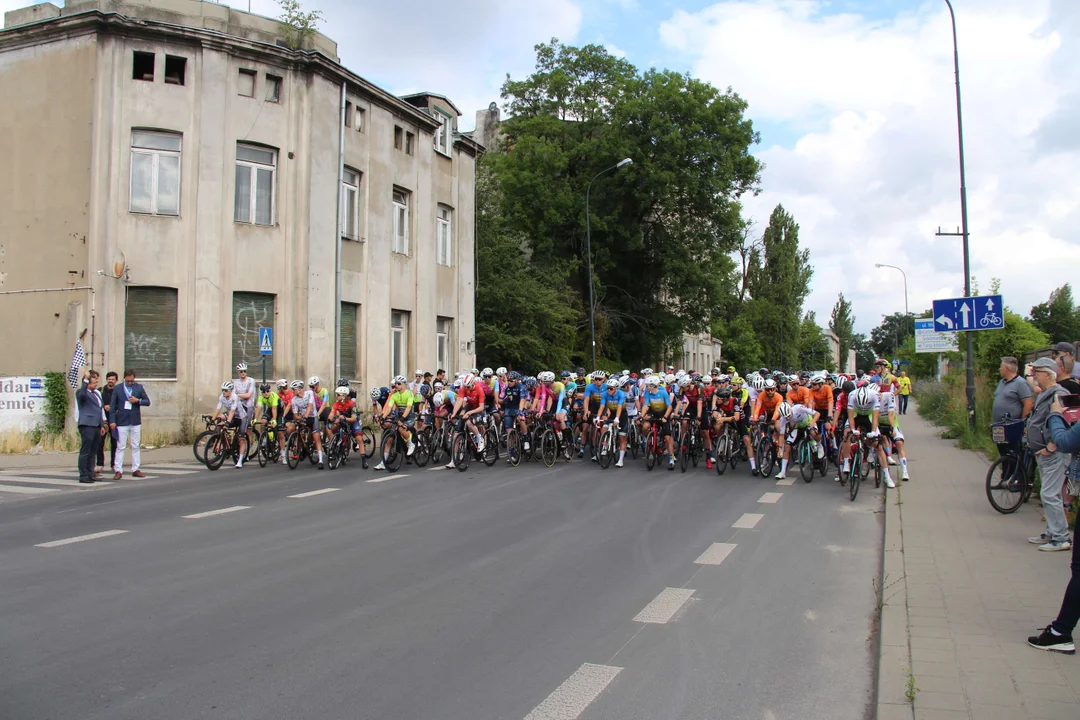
(497, 593)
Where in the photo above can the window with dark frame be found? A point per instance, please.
(348, 114)
(175, 69)
(246, 85)
(409, 138)
(273, 88)
(399, 137)
(142, 66)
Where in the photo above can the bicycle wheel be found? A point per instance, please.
(694, 448)
(334, 452)
(650, 452)
(423, 448)
(1005, 485)
(513, 447)
(460, 451)
(292, 449)
(390, 449)
(766, 456)
(853, 481)
(199, 446)
(605, 449)
(633, 439)
(216, 450)
(806, 462)
(877, 474)
(684, 457)
(369, 443)
(260, 449)
(312, 453)
(735, 448)
(548, 448)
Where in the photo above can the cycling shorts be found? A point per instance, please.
(236, 422)
(621, 426)
(510, 415)
(863, 423)
(893, 433)
(658, 418)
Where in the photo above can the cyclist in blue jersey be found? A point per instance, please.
(594, 393)
(512, 405)
(656, 406)
(614, 410)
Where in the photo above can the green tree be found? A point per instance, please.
(779, 282)
(814, 350)
(864, 352)
(891, 334)
(741, 346)
(842, 323)
(663, 229)
(1058, 317)
(1017, 338)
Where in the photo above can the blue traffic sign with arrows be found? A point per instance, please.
(969, 313)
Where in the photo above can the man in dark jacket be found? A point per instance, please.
(91, 424)
(126, 418)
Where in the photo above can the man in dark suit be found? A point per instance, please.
(125, 417)
(91, 424)
(110, 436)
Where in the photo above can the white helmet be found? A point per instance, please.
(625, 373)
(863, 398)
(758, 383)
(614, 383)
(684, 381)
(817, 380)
(723, 378)
(469, 380)
(546, 376)
(398, 380)
(785, 409)
(679, 373)
(342, 391)
(313, 381)
(647, 372)
(793, 378)
(242, 367)
(501, 372)
(599, 374)
(296, 384)
(653, 381)
(439, 398)
(669, 379)
(283, 383)
(770, 384)
(486, 373)
(227, 385)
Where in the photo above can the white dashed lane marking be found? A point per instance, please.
(788, 482)
(80, 538)
(716, 554)
(49, 481)
(664, 607)
(384, 479)
(222, 511)
(20, 490)
(315, 492)
(770, 497)
(572, 697)
(748, 521)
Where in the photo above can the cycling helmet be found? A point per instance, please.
(785, 409)
(848, 387)
(669, 379)
(438, 386)
(313, 381)
(758, 383)
(547, 376)
(680, 372)
(714, 372)
(398, 380)
(425, 390)
(265, 387)
(684, 381)
(342, 390)
(530, 382)
(803, 375)
(469, 380)
(817, 380)
(456, 385)
(439, 399)
(486, 373)
(513, 376)
(565, 374)
(653, 381)
(793, 378)
(242, 367)
(227, 385)
(419, 373)
(834, 379)
(764, 371)
(600, 374)
(581, 372)
(738, 381)
(863, 399)
(297, 384)
(723, 393)
(474, 371)
(613, 383)
(770, 384)
(501, 372)
(647, 371)
(283, 383)
(627, 380)
(374, 393)
(724, 378)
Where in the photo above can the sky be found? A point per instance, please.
(855, 104)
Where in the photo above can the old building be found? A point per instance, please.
(233, 184)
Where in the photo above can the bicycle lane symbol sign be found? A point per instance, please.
(970, 313)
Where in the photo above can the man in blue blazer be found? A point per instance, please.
(91, 423)
(125, 417)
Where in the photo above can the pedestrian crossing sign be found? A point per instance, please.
(266, 341)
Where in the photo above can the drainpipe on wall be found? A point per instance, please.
(337, 237)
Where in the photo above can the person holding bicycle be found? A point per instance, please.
(268, 409)
(230, 413)
(469, 405)
(613, 410)
(656, 405)
(863, 417)
(345, 411)
(401, 400)
(303, 410)
(889, 431)
(512, 406)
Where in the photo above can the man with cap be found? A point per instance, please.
(1064, 348)
(1052, 464)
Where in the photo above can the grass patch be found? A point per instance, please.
(944, 403)
(910, 688)
(13, 442)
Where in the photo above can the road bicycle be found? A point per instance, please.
(653, 443)
(608, 435)
(727, 447)
(634, 441)
(222, 444)
(265, 441)
(854, 473)
(396, 448)
(804, 454)
(1010, 480)
(765, 449)
(199, 446)
(300, 444)
(690, 448)
(463, 447)
(340, 445)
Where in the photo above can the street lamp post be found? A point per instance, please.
(907, 313)
(588, 253)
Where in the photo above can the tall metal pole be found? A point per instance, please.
(964, 220)
(907, 313)
(588, 254)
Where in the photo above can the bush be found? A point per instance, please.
(944, 403)
(56, 403)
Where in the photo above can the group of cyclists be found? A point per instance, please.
(833, 410)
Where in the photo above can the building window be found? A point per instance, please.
(250, 312)
(350, 205)
(443, 133)
(350, 324)
(442, 341)
(255, 168)
(359, 119)
(246, 85)
(155, 173)
(409, 138)
(175, 68)
(399, 342)
(273, 88)
(142, 66)
(399, 137)
(444, 235)
(150, 332)
(401, 222)
(348, 114)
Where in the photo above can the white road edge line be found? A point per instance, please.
(80, 538)
(664, 606)
(748, 521)
(384, 479)
(222, 511)
(770, 497)
(716, 554)
(572, 697)
(21, 490)
(315, 492)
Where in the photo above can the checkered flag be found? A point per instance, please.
(78, 361)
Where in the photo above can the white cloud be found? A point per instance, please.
(875, 170)
(615, 51)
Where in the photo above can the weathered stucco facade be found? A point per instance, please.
(106, 100)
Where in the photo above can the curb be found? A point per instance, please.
(894, 643)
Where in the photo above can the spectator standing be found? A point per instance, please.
(1057, 636)
(244, 388)
(1012, 396)
(903, 384)
(91, 420)
(1067, 349)
(125, 418)
(1052, 464)
(109, 435)
(1065, 377)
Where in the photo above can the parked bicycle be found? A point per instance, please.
(1010, 480)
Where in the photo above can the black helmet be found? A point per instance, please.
(265, 387)
(342, 382)
(723, 393)
(848, 387)
(581, 372)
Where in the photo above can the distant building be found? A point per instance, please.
(232, 177)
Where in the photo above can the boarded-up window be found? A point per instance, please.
(150, 332)
(252, 311)
(350, 318)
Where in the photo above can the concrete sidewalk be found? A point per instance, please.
(48, 460)
(963, 590)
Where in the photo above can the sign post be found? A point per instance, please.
(266, 346)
